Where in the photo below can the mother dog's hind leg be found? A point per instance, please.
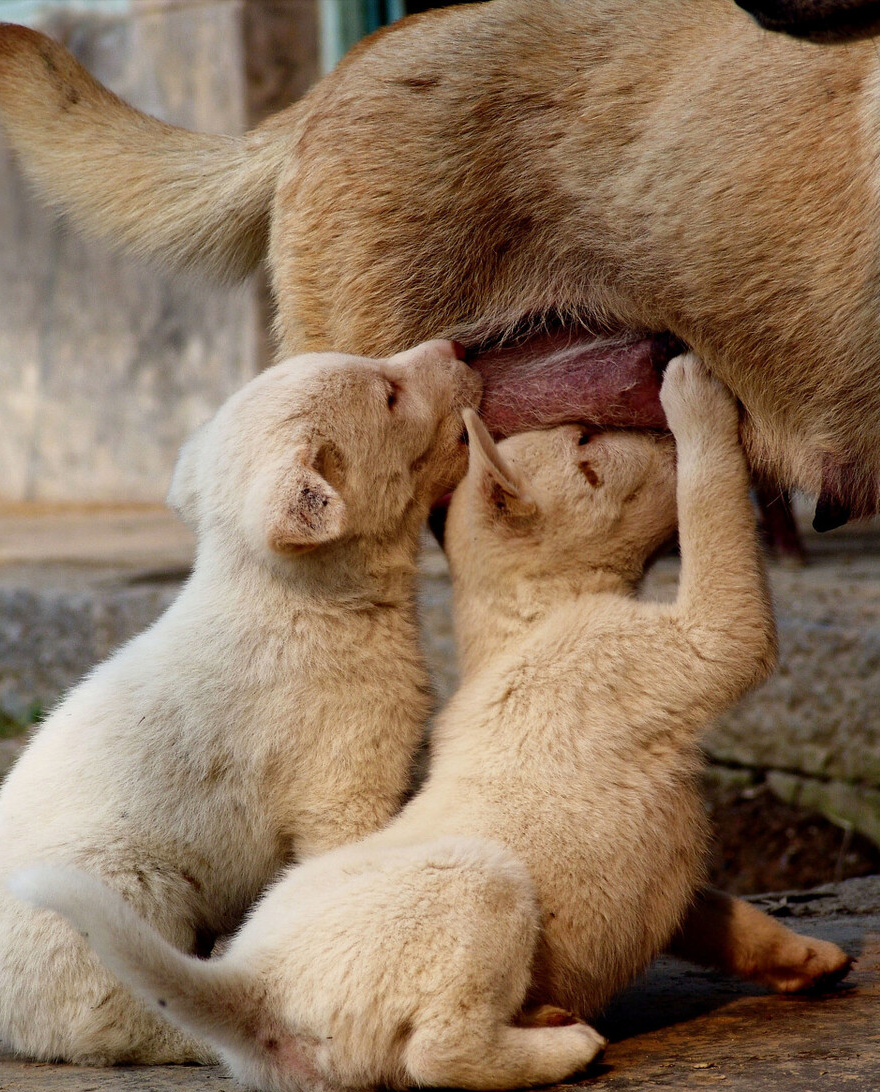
(731, 935)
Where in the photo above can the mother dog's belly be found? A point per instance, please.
(673, 168)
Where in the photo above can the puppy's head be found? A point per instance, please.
(562, 501)
(325, 447)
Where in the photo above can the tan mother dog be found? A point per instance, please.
(559, 838)
(270, 714)
(627, 167)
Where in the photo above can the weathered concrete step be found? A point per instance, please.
(817, 719)
(76, 583)
(679, 1028)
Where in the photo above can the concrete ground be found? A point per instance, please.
(679, 1028)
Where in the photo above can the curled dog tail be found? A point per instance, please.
(187, 199)
(206, 998)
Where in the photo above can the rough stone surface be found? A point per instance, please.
(817, 719)
(678, 1028)
(685, 1029)
(76, 583)
(850, 805)
(820, 712)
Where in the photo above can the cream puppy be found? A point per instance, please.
(257, 721)
(559, 839)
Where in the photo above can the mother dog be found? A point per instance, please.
(575, 167)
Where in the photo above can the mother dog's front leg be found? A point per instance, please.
(731, 935)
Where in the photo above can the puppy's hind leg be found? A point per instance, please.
(511, 1057)
(733, 936)
(465, 1035)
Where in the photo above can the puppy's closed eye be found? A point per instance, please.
(590, 474)
(392, 392)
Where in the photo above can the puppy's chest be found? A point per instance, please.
(597, 673)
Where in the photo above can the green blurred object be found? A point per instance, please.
(345, 22)
(14, 727)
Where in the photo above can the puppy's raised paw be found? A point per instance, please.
(694, 401)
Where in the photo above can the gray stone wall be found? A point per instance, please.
(813, 729)
(107, 364)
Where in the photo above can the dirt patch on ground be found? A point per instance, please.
(762, 844)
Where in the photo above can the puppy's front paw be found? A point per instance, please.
(695, 402)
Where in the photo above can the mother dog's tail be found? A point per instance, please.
(205, 997)
(188, 199)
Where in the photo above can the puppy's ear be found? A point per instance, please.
(502, 484)
(183, 492)
(306, 511)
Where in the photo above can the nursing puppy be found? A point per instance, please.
(624, 167)
(258, 721)
(560, 836)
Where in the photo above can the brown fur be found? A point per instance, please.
(649, 165)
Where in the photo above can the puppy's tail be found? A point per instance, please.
(187, 199)
(204, 997)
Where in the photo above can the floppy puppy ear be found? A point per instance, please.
(305, 512)
(502, 484)
(183, 492)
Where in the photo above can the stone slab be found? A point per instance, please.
(849, 805)
(819, 714)
(818, 717)
(684, 1029)
(77, 581)
(678, 1028)
(74, 585)
(146, 537)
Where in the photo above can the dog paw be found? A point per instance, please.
(546, 1016)
(808, 965)
(589, 1044)
(695, 402)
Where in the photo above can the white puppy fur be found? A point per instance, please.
(257, 721)
(559, 838)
